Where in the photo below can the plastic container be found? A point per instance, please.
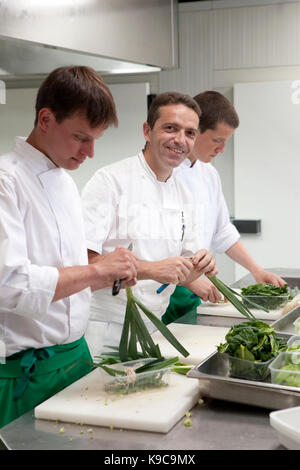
(133, 381)
(297, 326)
(287, 424)
(244, 369)
(271, 302)
(285, 369)
(294, 341)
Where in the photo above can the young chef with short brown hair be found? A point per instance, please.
(218, 122)
(137, 200)
(45, 278)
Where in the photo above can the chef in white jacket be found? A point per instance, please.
(137, 200)
(218, 122)
(45, 278)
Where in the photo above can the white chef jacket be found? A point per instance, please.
(212, 216)
(41, 230)
(124, 202)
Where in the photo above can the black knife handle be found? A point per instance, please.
(116, 287)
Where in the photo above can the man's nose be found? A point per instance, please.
(221, 147)
(88, 148)
(180, 137)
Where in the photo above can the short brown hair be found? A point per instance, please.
(77, 89)
(169, 98)
(215, 109)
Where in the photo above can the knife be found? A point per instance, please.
(117, 284)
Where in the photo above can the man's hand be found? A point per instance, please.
(167, 271)
(119, 264)
(205, 263)
(264, 277)
(206, 290)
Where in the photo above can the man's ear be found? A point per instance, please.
(45, 119)
(147, 131)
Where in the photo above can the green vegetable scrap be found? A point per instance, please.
(257, 344)
(266, 295)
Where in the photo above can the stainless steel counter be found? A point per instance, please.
(216, 425)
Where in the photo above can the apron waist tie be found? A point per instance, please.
(28, 366)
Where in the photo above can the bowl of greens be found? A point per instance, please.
(266, 295)
(250, 348)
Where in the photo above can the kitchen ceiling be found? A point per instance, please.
(36, 37)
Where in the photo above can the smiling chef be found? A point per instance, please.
(137, 201)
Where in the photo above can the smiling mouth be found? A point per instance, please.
(176, 150)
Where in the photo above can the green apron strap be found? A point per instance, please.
(28, 366)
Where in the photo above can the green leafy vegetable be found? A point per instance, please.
(266, 295)
(256, 343)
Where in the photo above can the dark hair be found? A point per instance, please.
(77, 89)
(169, 98)
(215, 109)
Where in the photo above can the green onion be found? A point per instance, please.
(232, 298)
(135, 331)
(161, 327)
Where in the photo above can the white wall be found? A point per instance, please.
(267, 170)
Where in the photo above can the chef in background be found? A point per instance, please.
(45, 278)
(218, 122)
(138, 201)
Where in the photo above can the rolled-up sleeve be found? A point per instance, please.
(26, 288)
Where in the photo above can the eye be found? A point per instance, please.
(78, 138)
(170, 128)
(191, 133)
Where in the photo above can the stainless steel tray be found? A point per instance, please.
(215, 382)
(285, 323)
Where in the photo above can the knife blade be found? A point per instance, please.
(117, 284)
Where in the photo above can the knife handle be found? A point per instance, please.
(162, 288)
(116, 287)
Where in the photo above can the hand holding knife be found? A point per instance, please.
(117, 284)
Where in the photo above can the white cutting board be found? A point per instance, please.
(86, 402)
(199, 340)
(228, 310)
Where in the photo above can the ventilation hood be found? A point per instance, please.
(112, 36)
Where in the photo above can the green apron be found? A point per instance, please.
(181, 302)
(34, 375)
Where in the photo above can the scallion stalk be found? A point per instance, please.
(232, 298)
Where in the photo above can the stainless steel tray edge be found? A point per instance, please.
(285, 323)
(261, 394)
